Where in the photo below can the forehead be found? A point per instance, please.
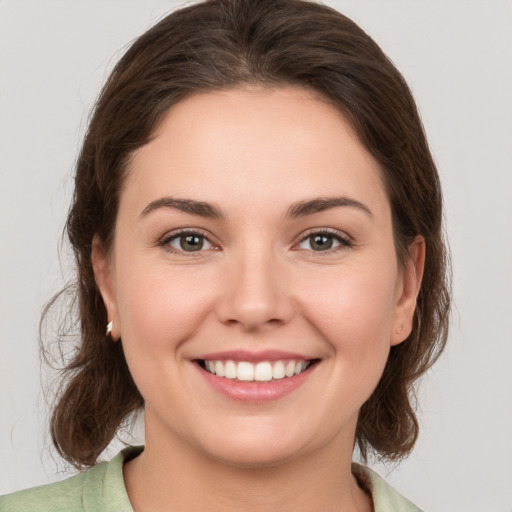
(256, 145)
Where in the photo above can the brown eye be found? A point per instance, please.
(188, 242)
(324, 241)
(321, 242)
(191, 243)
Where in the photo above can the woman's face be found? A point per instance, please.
(254, 242)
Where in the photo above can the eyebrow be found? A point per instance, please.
(321, 204)
(211, 211)
(191, 206)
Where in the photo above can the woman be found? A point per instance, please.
(257, 226)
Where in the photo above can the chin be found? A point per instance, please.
(261, 448)
(254, 457)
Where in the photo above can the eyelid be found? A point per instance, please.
(164, 241)
(346, 241)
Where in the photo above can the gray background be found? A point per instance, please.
(455, 54)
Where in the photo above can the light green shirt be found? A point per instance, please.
(101, 489)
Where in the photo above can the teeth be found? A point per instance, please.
(278, 370)
(263, 372)
(245, 371)
(230, 370)
(219, 369)
(260, 372)
(289, 371)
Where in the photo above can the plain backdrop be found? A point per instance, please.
(457, 58)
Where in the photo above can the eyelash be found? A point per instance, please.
(176, 235)
(344, 241)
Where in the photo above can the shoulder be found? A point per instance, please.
(60, 496)
(385, 498)
(99, 488)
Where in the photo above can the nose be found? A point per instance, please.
(255, 295)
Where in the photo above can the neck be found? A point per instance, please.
(175, 476)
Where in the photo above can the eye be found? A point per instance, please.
(187, 241)
(323, 241)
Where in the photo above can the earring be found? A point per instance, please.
(108, 332)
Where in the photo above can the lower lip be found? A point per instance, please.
(256, 392)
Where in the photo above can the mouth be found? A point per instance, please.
(262, 371)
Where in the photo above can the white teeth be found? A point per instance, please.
(260, 372)
(245, 371)
(290, 369)
(230, 370)
(278, 370)
(219, 369)
(263, 372)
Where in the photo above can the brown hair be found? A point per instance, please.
(221, 44)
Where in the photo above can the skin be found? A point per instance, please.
(257, 284)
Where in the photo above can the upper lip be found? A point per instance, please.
(253, 356)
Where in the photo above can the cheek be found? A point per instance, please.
(354, 309)
(160, 307)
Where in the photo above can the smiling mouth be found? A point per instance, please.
(264, 371)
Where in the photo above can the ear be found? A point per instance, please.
(407, 291)
(103, 273)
